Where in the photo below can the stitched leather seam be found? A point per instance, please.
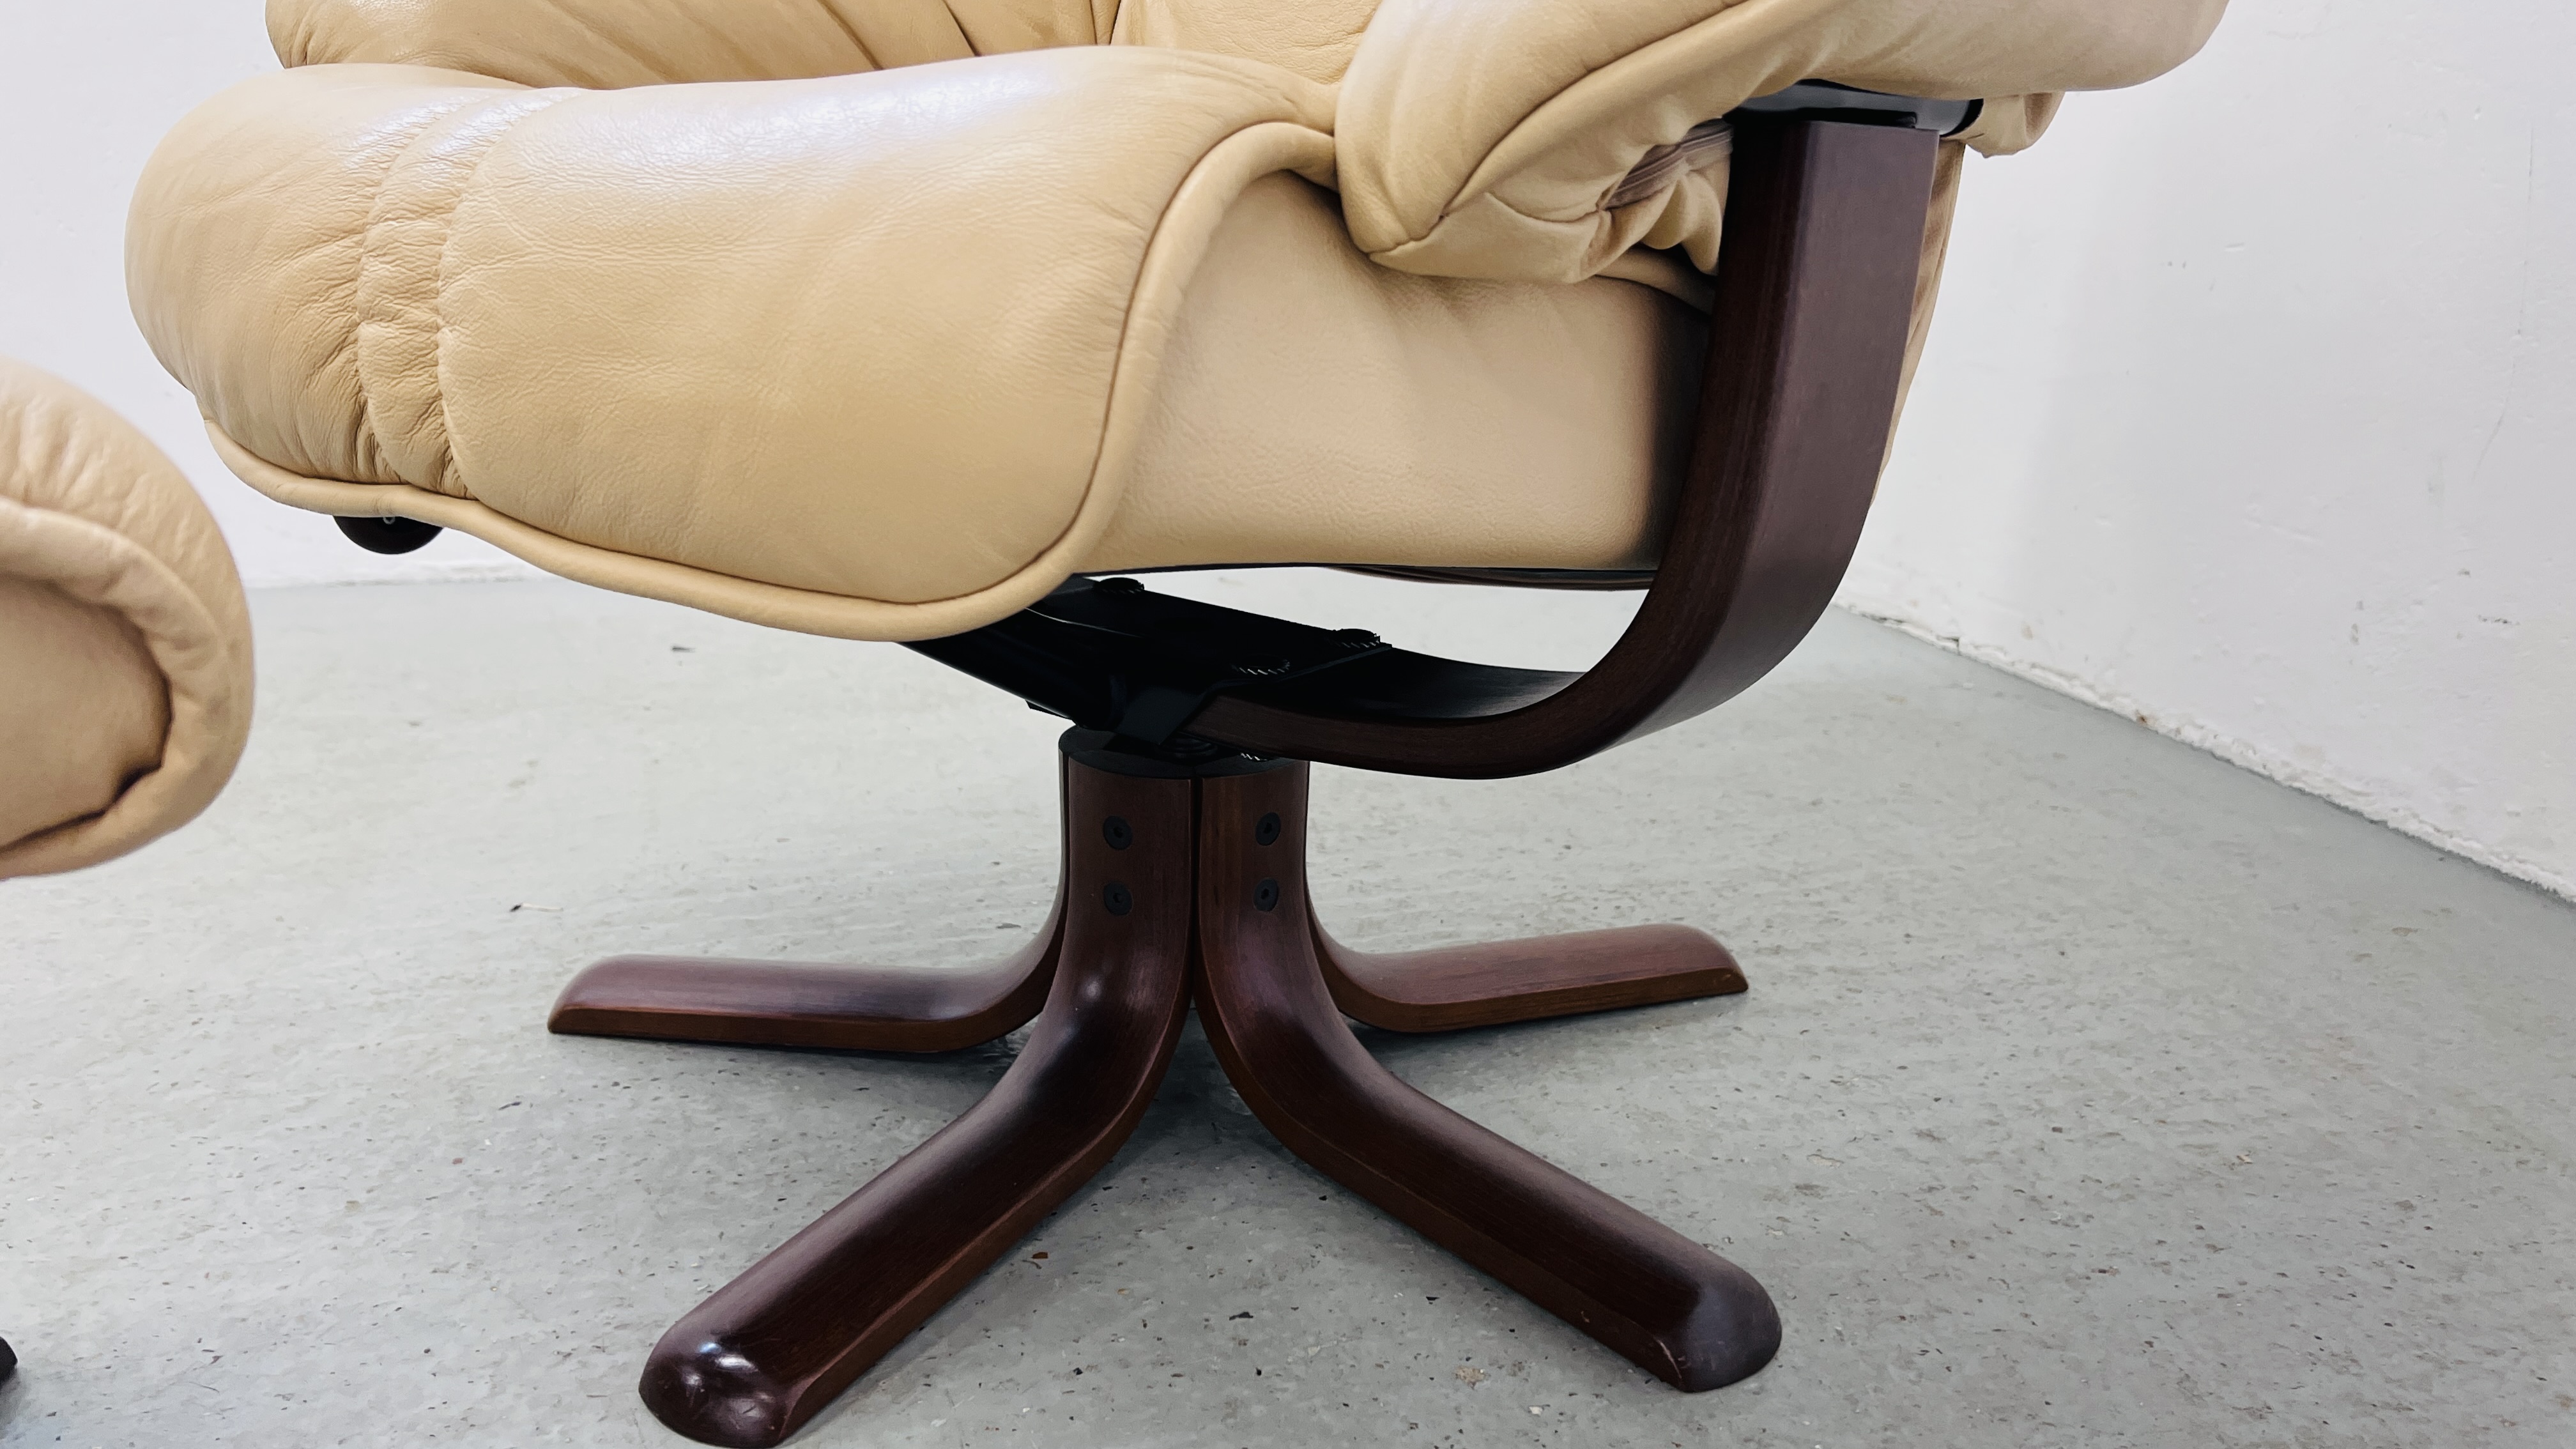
(483, 132)
(851, 31)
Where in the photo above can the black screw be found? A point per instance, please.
(1118, 586)
(1265, 896)
(1117, 832)
(1355, 638)
(1117, 898)
(1267, 832)
(1261, 666)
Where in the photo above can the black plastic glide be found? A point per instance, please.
(388, 535)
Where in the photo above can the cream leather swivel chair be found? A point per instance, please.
(125, 660)
(915, 320)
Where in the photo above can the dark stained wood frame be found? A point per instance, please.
(1495, 983)
(768, 1350)
(1185, 882)
(810, 1004)
(1815, 291)
(1668, 1305)
(1177, 889)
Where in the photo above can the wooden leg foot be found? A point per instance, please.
(755, 1361)
(802, 1004)
(811, 1004)
(1666, 1303)
(1504, 981)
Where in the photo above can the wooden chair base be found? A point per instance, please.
(1497, 982)
(1177, 888)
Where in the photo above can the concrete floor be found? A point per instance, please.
(2090, 1091)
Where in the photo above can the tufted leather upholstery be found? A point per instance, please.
(879, 317)
(124, 643)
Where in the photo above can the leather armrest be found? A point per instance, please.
(1486, 138)
(754, 347)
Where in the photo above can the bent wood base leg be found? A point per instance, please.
(809, 1004)
(1669, 1305)
(755, 1361)
(1176, 886)
(1504, 981)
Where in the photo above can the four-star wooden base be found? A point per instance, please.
(1179, 887)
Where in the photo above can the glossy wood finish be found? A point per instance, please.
(1669, 1305)
(1823, 226)
(772, 1347)
(1496, 982)
(1173, 883)
(1815, 287)
(809, 1004)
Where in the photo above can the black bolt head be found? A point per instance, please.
(1265, 896)
(1117, 898)
(1267, 832)
(1117, 832)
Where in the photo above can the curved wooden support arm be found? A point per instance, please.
(1815, 290)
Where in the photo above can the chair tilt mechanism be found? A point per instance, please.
(1185, 783)
(935, 322)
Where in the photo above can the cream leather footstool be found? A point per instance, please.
(125, 661)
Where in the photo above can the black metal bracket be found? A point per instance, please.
(1818, 100)
(1111, 655)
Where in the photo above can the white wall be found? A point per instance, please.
(86, 90)
(2247, 411)
(2251, 411)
